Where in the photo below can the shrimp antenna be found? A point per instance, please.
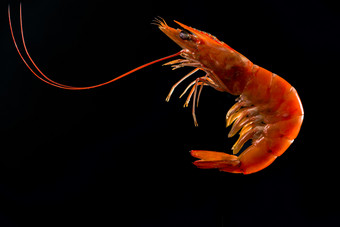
(49, 81)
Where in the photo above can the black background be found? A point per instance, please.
(118, 155)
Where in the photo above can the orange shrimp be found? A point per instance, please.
(268, 110)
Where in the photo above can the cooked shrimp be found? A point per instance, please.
(268, 110)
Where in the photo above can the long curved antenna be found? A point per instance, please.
(49, 81)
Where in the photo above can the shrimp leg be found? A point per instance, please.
(180, 81)
(201, 81)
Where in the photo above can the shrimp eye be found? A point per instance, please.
(184, 35)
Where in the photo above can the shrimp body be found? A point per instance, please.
(268, 110)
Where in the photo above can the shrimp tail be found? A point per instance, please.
(216, 160)
(253, 159)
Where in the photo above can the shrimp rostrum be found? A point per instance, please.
(268, 110)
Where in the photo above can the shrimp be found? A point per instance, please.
(268, 110)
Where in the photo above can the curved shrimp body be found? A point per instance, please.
(268, 111)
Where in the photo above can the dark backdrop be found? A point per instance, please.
(119, 153)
